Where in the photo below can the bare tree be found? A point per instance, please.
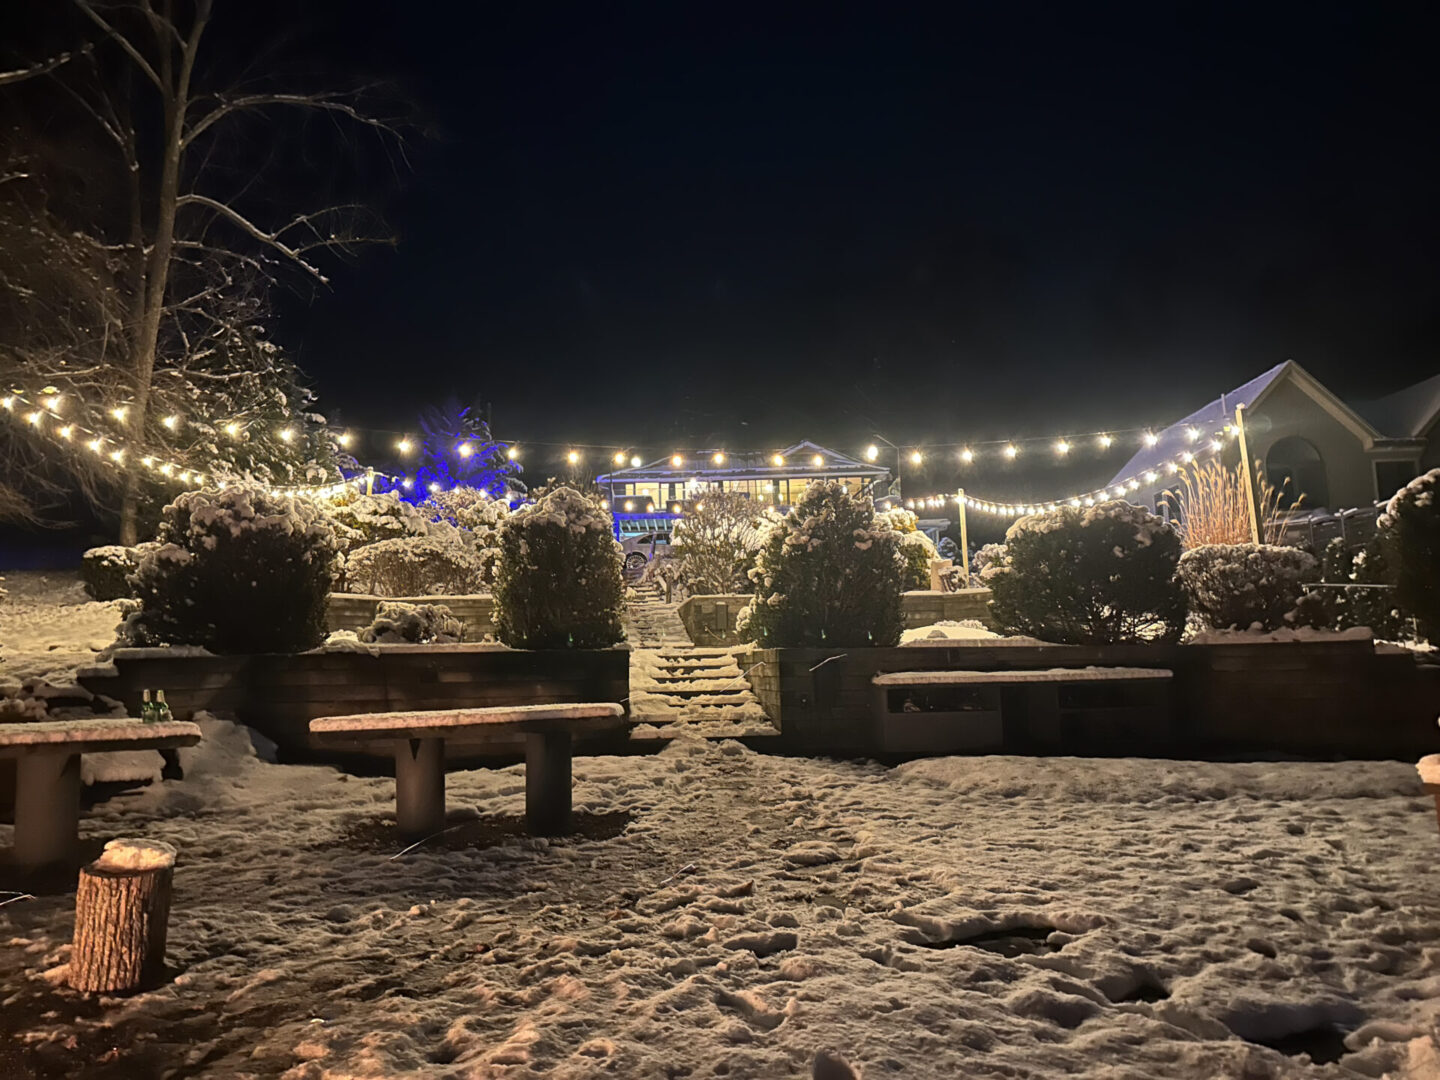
(187, 241)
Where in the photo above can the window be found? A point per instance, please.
(1296, 471)
(1391, 476)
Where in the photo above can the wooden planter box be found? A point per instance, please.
(355, 611)
(279, 695)
(1321, 697)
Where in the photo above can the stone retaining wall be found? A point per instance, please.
(710, 620)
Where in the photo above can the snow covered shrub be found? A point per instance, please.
(917, 551)
(106, 570)
(829, 573)
(413, 624)
(366, 519)
(716, 544)
(1410, 539)
(235, 571)
(559, 584)
(435, 564)
(986, 561)
(1245, 586)
(1101, 575)
(478, 516)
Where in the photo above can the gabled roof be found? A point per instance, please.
(1407, 413)
(753, 464)
(1215, 415)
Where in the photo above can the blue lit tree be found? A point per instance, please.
(457, 450)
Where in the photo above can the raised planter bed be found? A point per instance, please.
(279, 695)
(710, 620)
(1320, 696)
(355, 611)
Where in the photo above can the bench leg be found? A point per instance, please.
(47, 808)
(547, 783)
(420, 786)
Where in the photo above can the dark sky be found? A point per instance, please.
(706, 224)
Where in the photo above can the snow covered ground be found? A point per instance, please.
(732, 914)
(724, 913)
(48, 624)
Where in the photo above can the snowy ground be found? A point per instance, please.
(48, 624)
(731, 914)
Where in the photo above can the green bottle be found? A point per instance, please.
(162, 710)
(147, 708)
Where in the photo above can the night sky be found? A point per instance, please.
(688, 225)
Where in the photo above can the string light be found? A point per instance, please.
(172, 422)
(346, 438)
(573, 457)
(677, 461)
(1012, 451)
(34, 418)
(1151, 438)
(718, 457)
(916, 457)
(872, 452)
(967, 455)
(778, 461)
(403, 446)
(232, 429)
(287, 435)
(1105, 441)
(818, 461)
(1191, 434)
(52, 402)
(465, 449)
(620, 457)
(120, 412)
(67, 431)
(513, 453)
(636, 462)
(1062, 448)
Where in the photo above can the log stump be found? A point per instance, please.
(122, 909)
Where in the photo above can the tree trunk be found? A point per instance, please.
(121, 915)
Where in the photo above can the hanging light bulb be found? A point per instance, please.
(53, 402)
(818, 461)
(649, 507)
(407, 483)
(1187, 457)
(346, 439)
(35, 417)
(434, 488)
(620, 457)
(676, 460)
(117, 455)
(777, 460)
(66, 431)
(1216, 444)
(635, 462)
(171, 422)
(465, 449)
(8, 401)
(1012, 451)
(573, 457)
(1062, 448)
(967, 455)
(629, 505)
(404, 445)
(119, 412)
(718, 457)
(232, 429)
(94, 445)
(604, 504)
(1105, 441)
(872, 452)
(287, 435)
(1151, 476)
(1151, 438)
(513, 453)
(916, 457)
(1191, 434)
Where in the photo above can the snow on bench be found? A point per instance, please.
(420, 754)
(963, 678)
(47, 774)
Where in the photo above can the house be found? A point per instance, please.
(771, 478)
(1314, 448)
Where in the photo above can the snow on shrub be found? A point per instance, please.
(715, 545)
(235, 571)
(986, 561)
(1410, 540)
(1246, 586)
(106, 570)
(559, 583)
(439, 563)
(917, 551)
(367, 519)
(1363, 593)
(829, 573)
(1100, 575)
(414, 624)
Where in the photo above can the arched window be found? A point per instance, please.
(1295, 469)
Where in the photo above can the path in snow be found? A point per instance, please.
(732, 914)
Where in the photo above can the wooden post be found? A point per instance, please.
(370, 481)
(122, 908)
(964, 536)
(1247, 475)
(547, 782)
(420, 786)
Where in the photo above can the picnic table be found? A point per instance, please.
(47, 775)
(419, 745)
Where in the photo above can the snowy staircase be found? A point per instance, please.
(677, 688)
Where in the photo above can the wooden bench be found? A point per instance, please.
(47, 775)
(419, 742)
(957, 711)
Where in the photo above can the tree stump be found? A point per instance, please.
(122, 909)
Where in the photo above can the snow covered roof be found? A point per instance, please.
(1407, 413)
(799, 463)
(1215, 415)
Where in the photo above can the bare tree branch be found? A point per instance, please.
(121, 40)
(42, 68)
(335, 103)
